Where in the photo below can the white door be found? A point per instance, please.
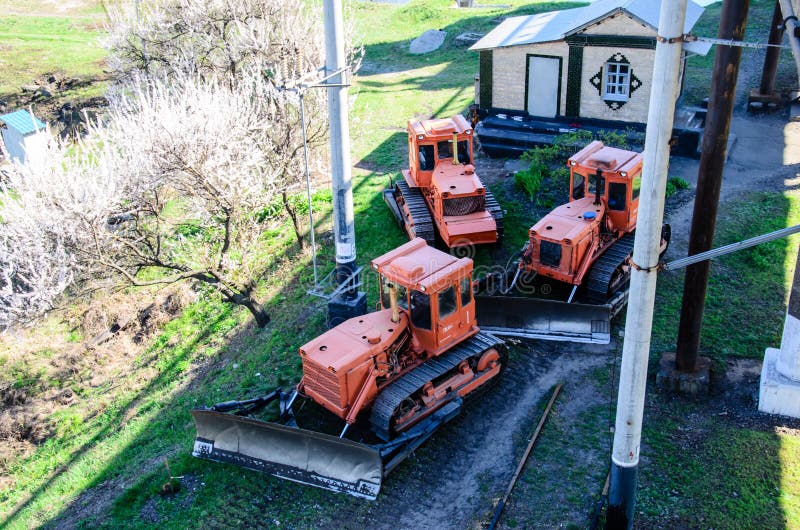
(543, 77)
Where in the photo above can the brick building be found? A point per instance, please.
(590, 66)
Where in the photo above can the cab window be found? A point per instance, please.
(402, 294)
(463, 152)
(466, 292)
(447, 302)
(593, 183)
(420, 310)
(445, 150)
(577, 186)
(636, 187)
(616, 196)
(426, 161)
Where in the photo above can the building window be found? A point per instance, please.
(617, 81)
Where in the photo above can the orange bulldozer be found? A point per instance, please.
(440, 195)
(382, 383)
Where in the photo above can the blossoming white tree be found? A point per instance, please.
(201, 136)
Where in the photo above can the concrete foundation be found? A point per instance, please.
(671, 379)
(777, 394)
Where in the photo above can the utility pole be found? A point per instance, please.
(639, 320)
(709, 180)
(773, 52)
(348, 302)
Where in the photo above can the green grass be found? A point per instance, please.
(747, 290)
(31, 46)
(726, 477)
(113, 441)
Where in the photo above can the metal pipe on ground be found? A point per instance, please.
(639, 320)
(502, 503)
(709, 180)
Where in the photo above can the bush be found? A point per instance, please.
(674, 185)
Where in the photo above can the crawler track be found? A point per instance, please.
(497, 212)
(601, 275)
(394, 394)
(413, 205)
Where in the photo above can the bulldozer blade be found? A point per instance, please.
(290, 453)
(535, 318)
(391, 202)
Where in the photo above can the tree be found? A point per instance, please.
(168, 187)
(218, 40)
(201, 138)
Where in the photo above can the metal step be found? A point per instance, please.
(393, 394)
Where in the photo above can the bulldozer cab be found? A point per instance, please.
(433, 289)
(613, 177)
(431, 142)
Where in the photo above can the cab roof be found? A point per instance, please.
(596, 155)
(440, 127)
(419, 266)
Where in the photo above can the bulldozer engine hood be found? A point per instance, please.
(337, 363)
(457, 180)
(569, 222)
(352, 342)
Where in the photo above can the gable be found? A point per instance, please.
(620, 24)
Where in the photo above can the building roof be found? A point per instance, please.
(556, 25)
(23, 122)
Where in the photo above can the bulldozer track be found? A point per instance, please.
(414, 203)
(395, 393)
(494, 208)
(602, 272)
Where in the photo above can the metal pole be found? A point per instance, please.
(709, 180)
(791, 26)
(639, 320)
(308, 190)
(773, 52)
(343, 228)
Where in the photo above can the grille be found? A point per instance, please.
(550, 253)
(322, 381)
(464, 205)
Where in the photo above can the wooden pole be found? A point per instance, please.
(709, 180)
(773, 52)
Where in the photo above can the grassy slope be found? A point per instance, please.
(34, 45)
(114, 444)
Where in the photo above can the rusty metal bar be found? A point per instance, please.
(502, 504)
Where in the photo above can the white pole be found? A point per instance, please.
(343, 228)
(639, 321)
(791, 23)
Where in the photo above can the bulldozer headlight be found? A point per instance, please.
(469, 132)
(623, 173)
(420, 137)
(573, 163)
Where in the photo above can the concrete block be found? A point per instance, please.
(777, 393)
(670, 379)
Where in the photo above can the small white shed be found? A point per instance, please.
(24, 136)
